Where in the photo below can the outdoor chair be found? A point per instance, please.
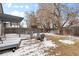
(40, 37)
(1, 40)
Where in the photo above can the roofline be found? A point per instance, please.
(7, 16)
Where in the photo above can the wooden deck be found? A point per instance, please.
(10, 42)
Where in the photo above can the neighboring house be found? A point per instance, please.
(74, 29)
(8, 23)
(71, 29)
(66, 31)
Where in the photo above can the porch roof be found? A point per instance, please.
(10, 18)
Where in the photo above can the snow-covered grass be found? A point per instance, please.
(32, 47)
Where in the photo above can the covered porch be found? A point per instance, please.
(9, 24)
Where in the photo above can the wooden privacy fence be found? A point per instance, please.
(21, 30)
(15, 30)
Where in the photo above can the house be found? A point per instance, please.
(9, 23)
(71, 29)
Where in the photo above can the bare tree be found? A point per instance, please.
(45, 15)
(54, 15)
(32, 20)
(51, 14)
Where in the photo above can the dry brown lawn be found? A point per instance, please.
(63, 49)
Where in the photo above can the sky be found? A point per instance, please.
(18, 9)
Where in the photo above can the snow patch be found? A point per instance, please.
(49, 34)
(49, 43)
(67, 42)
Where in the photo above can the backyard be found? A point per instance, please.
(53, 45)
(40, 29)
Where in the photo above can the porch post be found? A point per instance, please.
(19, 29)
(0, 27)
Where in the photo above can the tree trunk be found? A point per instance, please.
(61, 31)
